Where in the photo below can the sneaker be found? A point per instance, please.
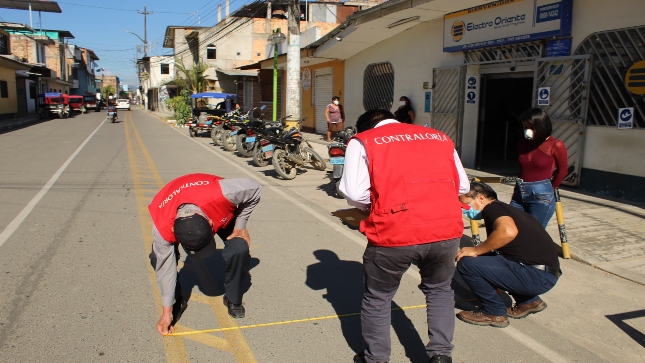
(360, 358)
(478, 317)
(440, 358)
(236, 311)
(519, 311)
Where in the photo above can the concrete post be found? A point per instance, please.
(219, 13)
(228, 6)
(268, 22)
(293, 64)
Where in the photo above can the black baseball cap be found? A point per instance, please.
(195, 235)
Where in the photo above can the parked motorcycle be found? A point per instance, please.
(293, 151)
(232, 128)
(336, 151)
(245, 138)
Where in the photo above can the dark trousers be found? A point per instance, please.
(484, 274)
(383, 268)
(237, 257)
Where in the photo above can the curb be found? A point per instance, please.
(18, 124)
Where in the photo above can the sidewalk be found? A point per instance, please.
(14, 123)
(603, 232)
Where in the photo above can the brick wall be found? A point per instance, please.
(23, 47)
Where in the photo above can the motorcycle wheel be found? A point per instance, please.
(216, 134)
(228, 141)
(339, 193)
(316, 161)
(283, 166)
(243, 147)
(258, 156)
(192, 132)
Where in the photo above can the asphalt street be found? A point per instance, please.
(78, 287)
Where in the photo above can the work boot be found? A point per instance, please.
(519, 311)
(478, 317)
(360, 358)
(236, 311)
(440, 358)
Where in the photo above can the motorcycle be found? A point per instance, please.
(231, 128)
(291, 153)
(336, 151)
(245, 139)
(112, 113)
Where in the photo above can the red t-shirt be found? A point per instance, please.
(539, 163)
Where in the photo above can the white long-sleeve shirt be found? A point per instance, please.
(355, 182)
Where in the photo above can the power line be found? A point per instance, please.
(116, 9)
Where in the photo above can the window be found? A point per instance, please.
(75, 73)
(378, 86)
(4, 90)
(211, 52)
(266, 84)
(4, 44)
(165, 68)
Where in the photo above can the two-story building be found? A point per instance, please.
(82, 65)
(154, 74)
(12, 87)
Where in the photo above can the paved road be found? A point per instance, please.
(78, 287)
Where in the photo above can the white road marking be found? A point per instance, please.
(522, 338)
(24, 213)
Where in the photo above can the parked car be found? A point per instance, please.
(123, 103)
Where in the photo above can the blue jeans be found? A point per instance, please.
(535, 198)
(486, 273)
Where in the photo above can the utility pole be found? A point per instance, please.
(293, 63)
(145, 29)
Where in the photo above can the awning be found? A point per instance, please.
(36, 5)
(211, 73)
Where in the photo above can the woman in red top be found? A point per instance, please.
(540, 155)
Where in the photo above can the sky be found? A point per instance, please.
(101, 26)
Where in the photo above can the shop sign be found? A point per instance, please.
(306, 79)
(506, 22)
(625, 118)
(558, 47)
(635, 79)
(544, 96)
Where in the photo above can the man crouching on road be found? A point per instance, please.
(409, 178)
(189, 211)
(525, 264)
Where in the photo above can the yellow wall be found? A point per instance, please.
(9, 105)
(338, 89)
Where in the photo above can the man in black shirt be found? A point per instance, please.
(518, 256)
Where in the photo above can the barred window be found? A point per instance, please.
(4, 44)
(165, 68)
(378, 86)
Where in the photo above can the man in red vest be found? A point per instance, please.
(409, 177)
(189, 211)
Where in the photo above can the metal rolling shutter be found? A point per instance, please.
(322, 96)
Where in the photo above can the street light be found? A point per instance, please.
(145, 43)
(275, 38)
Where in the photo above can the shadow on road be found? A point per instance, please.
(619, 320)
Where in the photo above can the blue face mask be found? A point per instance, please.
(472, 213)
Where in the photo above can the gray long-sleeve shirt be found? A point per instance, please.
(242, 192)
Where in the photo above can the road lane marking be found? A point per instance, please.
(175, 348)
(236, 343)
(24, 213)
(532, 344)
(217, 330)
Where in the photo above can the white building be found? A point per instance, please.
(470, 69)
(154, 73)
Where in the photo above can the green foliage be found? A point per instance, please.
(180, 105)
(108, 91)
(193, 78)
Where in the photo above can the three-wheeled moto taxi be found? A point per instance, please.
(91, 103)
(76, 104)
(50, 104)
(205, 113)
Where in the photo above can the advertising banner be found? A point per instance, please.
(506, 22)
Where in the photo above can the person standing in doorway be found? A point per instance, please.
(540, 155)
(335, 116)
(414, 217)
(405, 113)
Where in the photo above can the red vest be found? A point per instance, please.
(414, 186)
(203, 190)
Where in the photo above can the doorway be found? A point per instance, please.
(504, 98)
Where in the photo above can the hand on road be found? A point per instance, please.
(163, 325)
(466, 251)
(242, 233)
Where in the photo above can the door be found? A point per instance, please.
(248, 95)
(448, 101)
(322, 96)
(21, 94)
(568, 80)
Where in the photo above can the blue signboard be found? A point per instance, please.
(558, 47)
(428, 99)
(506, 22)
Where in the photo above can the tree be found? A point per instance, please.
(180, 105)
(193, 79)
(108, 91)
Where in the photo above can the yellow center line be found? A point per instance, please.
(217, 330)
(175, 347)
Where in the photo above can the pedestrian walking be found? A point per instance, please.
(188, 211)
(335, 115)
(414, 217)
(405, 112)
(525, 262)
(540, 155)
